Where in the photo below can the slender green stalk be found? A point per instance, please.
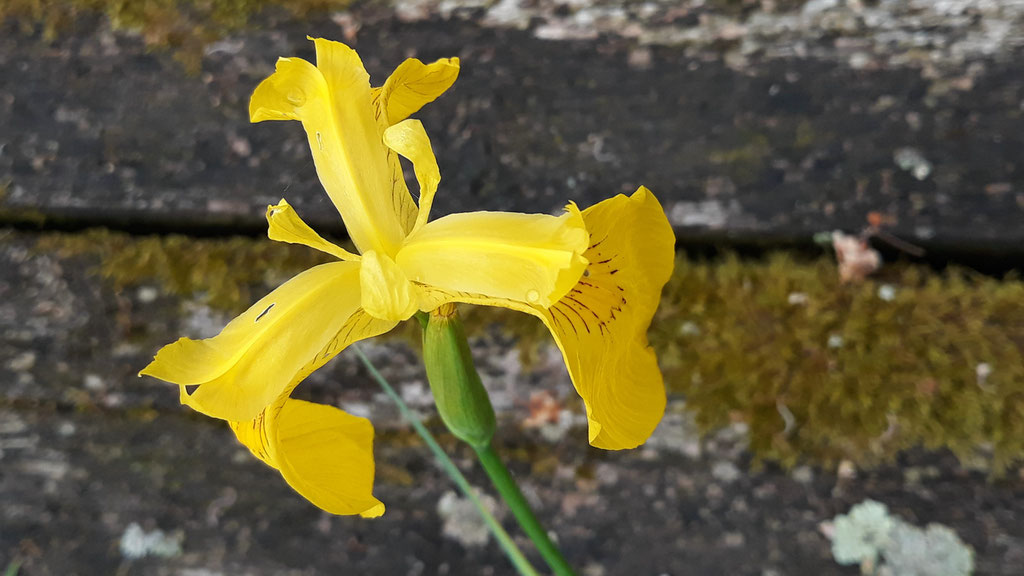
(506, 485)
(464, 406)
(515, 555)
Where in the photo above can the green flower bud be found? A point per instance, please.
(461, 398)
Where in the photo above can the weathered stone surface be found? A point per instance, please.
(750, 123)
(73, 483)
(87, 449)
(751, 143)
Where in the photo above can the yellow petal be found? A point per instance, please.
(530, 258)
(323, 453)
(286, 226)
(287, 92)
(409, 139)
(411, 86)
(386, 291)
(601, 324)
(333, 102)
(259, 354)
(414, 84)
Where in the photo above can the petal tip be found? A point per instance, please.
(375, 511)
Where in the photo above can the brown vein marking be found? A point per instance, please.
(396, 192)
(585, 307)
(577, 313)
(424, 94)
(596, 244)
(264, 438)
(567, 319)
(327, 349)
(258, 435)
(596, 287)
(555, 321)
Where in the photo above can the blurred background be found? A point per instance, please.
(844, 328)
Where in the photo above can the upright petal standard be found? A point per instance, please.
(593, 277)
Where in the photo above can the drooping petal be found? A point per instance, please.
(386, 291)
(414, 84)
(286, 226)
(529, 258)
(323, 453)
(333, 102)
(409, 139)
(601, 324)
(326, 455)
(259, 354)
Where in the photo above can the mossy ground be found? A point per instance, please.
(817, 369)
(186, 26)
(828, 370)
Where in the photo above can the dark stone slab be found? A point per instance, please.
(72, 483)
(87, 449)
(97, 129)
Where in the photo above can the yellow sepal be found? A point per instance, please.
(333, 102)
(284, 225)
(259, 354)
(323, 453)
(530, 258)
(600, 324)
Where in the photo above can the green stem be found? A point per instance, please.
(506, 485)
(515, 555)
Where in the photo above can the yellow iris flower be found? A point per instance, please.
(593, 277)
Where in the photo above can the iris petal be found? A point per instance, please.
(386, 291)
(409, 139)
(333, 102)
(286, 226)
(600, 324)
(414, 84)
(323, 453)
(259, 354)
(530, 258)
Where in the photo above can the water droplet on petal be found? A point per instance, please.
(296, 97)
(320, 141)
(532, 296)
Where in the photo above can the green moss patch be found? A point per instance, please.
(829, 371)
(186, 26)
(817, 369)
(227, 273)
(823, 371)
